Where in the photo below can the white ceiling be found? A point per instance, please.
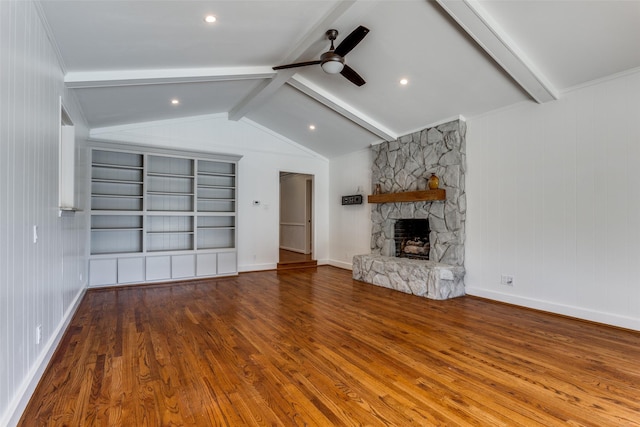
(126, 60)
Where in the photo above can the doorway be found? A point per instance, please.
(296, 220)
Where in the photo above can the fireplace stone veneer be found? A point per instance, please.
(405, 165)
(428, 279)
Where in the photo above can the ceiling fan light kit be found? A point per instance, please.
(332, 61)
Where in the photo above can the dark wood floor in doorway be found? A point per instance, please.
(313, 347)
(290, 260)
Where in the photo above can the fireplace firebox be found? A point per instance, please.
(412, 238)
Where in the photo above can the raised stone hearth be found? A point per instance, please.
(428, 279)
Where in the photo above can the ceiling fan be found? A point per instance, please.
(332, 61)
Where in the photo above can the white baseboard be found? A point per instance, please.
(341, 264)
(256, 267)
(565, 310)
(23, 394)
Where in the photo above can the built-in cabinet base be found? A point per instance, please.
(118, 271)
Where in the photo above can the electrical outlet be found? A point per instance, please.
(38, 334)
(506, 280)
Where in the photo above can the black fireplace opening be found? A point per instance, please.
(412, 238)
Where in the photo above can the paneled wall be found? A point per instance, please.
(41, 281)
(554, 201)
(264, 155)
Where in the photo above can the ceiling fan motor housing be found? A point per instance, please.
(331, 62)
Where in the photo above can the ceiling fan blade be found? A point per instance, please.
(297, 64)
(351, 40)
(352, 76)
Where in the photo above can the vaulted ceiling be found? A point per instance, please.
(126, 60)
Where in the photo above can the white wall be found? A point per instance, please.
(39, 282)
(351, 224)
(553, 196)
(265, 155)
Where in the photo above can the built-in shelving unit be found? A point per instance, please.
(161, 215)
(409, 196)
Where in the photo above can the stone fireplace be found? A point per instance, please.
(404, 165)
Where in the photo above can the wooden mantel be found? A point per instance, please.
(409, 196)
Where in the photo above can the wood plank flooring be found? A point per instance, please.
(313, 347)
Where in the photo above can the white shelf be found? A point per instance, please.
(216, 174)
(169, 175)
(169, 232)
(168, 213)
(168, 193)
(115, 166)
(216, 228)
(114, 212)
(216, 186)
(117, 196)
(116, 229)
(215, 214)
(116, 181)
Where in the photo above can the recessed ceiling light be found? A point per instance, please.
(404, 82)
(210, 19)
(175, 101)
(312, 127)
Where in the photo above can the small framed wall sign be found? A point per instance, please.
(356, 199)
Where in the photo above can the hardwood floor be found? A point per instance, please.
(313, 347)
